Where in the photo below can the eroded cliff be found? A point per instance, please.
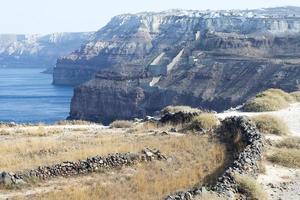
(141, 63)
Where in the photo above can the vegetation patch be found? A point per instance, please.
(204, 121)
(270, 125)
(121, 124)
(289, 143)
(285, 157)
(250, 187)
(269, 100)
(296, 95)
(191, 159)
(183, 109)
(73, 122)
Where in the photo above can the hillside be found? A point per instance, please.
(38, 50)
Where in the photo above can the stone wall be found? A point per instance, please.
(246, 161)
(80, 167)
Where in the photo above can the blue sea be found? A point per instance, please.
(28, 96)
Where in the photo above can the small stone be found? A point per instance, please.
(149, 153)
(174, 130)
(5, 178)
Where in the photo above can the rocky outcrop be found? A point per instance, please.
(80, 167)
(38, 50)
(248, 143)
(211, 59)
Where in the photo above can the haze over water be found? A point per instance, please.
(26, 95)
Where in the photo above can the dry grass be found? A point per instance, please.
(285, 157)
(73, 122)
(249, 186)
(270, 125)
(286, 152)
(184, 109)
(269, 100)
(121, 124)
(296, 95)
(289, 143)
(191, 160)
(38, 131)
(204, 121)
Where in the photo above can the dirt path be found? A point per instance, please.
(281, 183)
(290, 115)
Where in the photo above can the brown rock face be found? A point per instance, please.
(108, 99)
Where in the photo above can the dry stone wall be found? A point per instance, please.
(80, 167)
(246, 161)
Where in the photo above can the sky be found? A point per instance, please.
(49, 16)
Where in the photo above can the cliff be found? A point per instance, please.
(38, 50)
(138, 64)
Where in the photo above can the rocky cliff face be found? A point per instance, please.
(37, 50)
(141, 63)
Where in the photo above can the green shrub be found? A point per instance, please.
(121, 124)
(269, 100)
(286, 157)
(206, 121)
(270, 125)
(250, 187)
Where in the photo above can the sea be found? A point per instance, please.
(28, 96)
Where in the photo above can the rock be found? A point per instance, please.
(149, 154)
(5, 178)
(174, 130)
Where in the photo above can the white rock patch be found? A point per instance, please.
(157, 60)
(174, 61)
(154, 81)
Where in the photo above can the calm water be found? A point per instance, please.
(26, 95)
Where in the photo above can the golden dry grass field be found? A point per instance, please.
(192, 159)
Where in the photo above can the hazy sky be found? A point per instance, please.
(47, 16)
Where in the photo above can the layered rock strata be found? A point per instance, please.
(209, 59)
(38, 50)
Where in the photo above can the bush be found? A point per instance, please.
(121, 124)
(270, 125)
(290, 143)
(296, 95)
(206, 121)
(176, 109)
(286, 157)
(250, 187)
(269, 100)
